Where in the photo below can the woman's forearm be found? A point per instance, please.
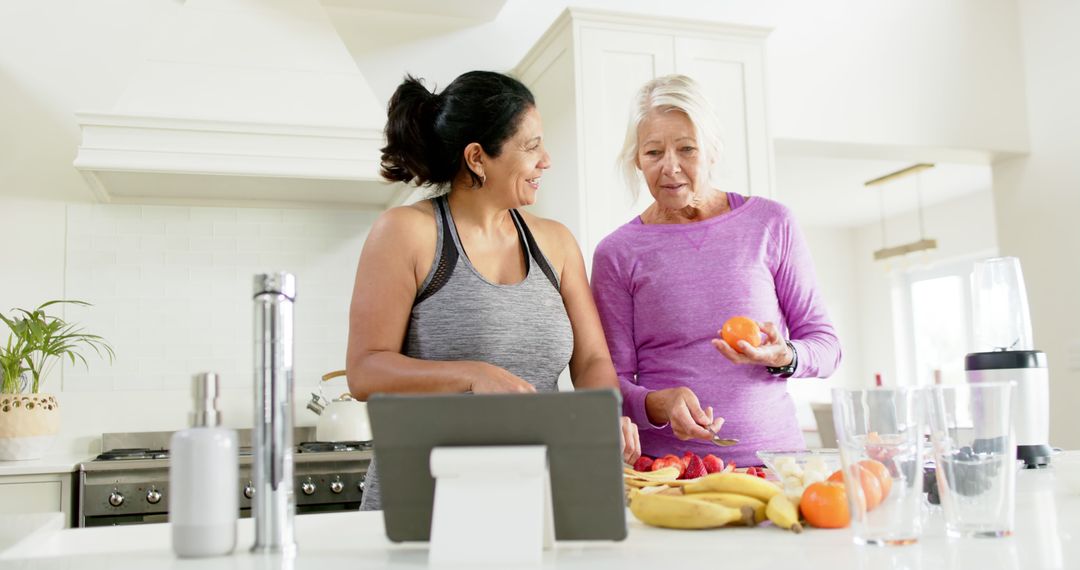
(596, 373)
(393, 372)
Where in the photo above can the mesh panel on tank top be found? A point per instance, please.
(447, 260)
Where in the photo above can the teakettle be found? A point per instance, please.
(342, 419)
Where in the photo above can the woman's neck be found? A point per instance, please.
(710, 206)
(474, 209)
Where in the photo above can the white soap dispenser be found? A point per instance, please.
(203, 478)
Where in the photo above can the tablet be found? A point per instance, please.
(580, 429)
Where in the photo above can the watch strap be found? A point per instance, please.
(786, 371)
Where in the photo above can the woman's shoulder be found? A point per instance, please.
(406, 225)
(768, 208)
(551, 235)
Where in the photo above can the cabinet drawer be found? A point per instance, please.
(33, 497)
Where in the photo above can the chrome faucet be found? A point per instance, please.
(274, 503)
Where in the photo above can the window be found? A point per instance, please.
(935, 315)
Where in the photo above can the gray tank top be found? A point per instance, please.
(459, 315)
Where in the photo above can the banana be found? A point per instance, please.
(783, 513)
(736, 501)
(661, 490)
(668, 511)
(740, 483)
(637, 483)
(665, 474)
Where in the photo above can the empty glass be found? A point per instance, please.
(883, 426)
(975, 453)
(1000, 305)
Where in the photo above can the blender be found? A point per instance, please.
(1002, 326)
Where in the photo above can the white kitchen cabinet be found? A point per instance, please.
(36, 493)
(584, 72)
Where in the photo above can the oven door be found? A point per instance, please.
(115, 497)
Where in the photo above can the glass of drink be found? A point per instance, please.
(880, 435)
(975, 453)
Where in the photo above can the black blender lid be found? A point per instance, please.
(1005, 360)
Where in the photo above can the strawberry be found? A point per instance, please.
(644, 463)
(694, 469)
(713, 463)
(668, 461)
(676, 461)
(660, 463)
(686, 458)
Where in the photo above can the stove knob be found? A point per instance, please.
(360, 486)
(249, 491)
(116, 498)
(308, 487)
(153, 496)
(337, 486)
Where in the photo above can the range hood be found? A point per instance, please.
(241, 102)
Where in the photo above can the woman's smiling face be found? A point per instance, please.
(669, 158)
(516, 171)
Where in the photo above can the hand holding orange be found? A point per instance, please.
(741, 328)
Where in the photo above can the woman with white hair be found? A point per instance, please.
(666, 281)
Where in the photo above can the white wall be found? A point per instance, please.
(1038, 198)
(962, 227)
(858, 290)
(833, 250)
(172, 290)
(919, 73)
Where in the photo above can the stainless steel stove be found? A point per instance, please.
(129, 482)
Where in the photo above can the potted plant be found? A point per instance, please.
(30, 419)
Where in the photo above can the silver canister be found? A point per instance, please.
(274, 504)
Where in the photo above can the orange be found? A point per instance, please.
(740, 328)
(824, 505)
(882, 473)
(871, 487)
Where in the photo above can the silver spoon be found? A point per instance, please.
(721, 441)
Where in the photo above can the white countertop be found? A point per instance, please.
(59, 463)
(1047, 537)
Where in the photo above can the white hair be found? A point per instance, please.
(670, 93)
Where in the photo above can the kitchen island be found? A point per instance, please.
(1047, 537)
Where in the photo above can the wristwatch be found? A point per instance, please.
(786, 371)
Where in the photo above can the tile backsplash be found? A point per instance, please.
(172, 289)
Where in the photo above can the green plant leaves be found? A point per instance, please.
(38, 338)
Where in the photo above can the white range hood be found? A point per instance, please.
(251, 102)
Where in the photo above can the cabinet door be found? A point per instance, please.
(31, 497)
(731, 72)
(614, 65)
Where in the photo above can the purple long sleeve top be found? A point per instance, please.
(664, 290)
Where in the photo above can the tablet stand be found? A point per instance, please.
(492, 505)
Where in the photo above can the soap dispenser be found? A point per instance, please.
(203, 478)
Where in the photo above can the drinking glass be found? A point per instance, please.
(883, 426)
(975, 453)
(1002, 320)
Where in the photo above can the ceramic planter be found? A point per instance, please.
(28, 425)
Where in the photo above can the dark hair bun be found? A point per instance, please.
(410, 133)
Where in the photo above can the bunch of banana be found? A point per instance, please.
(719, 499)
(685, 512)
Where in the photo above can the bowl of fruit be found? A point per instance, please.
(796, 470)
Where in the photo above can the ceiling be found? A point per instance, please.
(829, 192)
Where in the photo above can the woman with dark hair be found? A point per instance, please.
(463, 292)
